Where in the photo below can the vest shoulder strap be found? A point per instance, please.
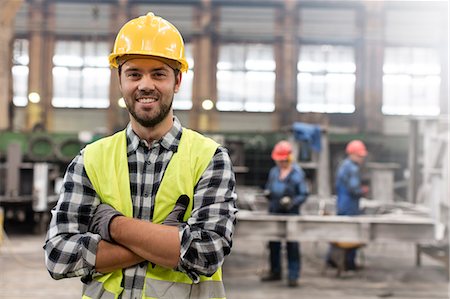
(103, 161)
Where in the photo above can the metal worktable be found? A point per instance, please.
(364, 228)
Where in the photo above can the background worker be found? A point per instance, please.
(286, 190)
(349, 190)
(149, 211)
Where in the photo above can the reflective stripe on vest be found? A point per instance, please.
(164, 289)
(106, 165)
(95, 290)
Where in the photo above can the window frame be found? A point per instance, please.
(242, 102)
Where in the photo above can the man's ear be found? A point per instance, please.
(178, 78)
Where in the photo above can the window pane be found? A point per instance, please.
(95, 87)
(326, 79)
(81, 74)
(66, 87)
(94, 54)
(20, 85)
(20, 72)
(260, 58)
(259, 91)
(231, 90)
(411, 81)
(340, 92)
(232, 57)
(68, 53)
(183, 99)
(246, 78)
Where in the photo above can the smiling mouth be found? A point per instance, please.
(146, 100)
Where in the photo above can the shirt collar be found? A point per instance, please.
(169, 141)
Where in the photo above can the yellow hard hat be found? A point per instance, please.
(150, 35)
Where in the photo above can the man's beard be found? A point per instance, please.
(150, 122)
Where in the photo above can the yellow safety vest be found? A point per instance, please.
(106, 165)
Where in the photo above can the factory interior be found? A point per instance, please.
(317, 73)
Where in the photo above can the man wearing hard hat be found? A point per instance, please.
(148, 212)
(286, 190)
(349, 190)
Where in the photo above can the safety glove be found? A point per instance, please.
(286, 203)
(176, 216)
(101, 219)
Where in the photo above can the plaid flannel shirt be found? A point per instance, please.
(205, 239)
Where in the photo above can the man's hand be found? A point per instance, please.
(286, 203)
(101, 219)
(176, 216)
(365, 190)
(266, 193)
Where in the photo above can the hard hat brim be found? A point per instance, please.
(176, 65)
(278, 157)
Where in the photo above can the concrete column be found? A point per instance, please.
(117, 116)
(8, 12)
(368, 102)
(413, 161)
(286, 82)
(35, 111)
(47, 68)
(444, 96)
(382, 181)
(205, 57)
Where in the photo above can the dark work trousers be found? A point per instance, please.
(293, 255)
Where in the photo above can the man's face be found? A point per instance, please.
(283, 163)
(357, 158)
(148, 87)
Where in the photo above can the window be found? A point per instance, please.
(183, 99)
(326, 79)
(20, 72)
(81, 74)
(411, 81)
(246, 78)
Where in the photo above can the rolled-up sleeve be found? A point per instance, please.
(69, 249)
(206, 238)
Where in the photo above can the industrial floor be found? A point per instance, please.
(389, 272)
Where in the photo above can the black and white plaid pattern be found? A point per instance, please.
(205, 239)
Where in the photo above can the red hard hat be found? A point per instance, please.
(281, 151)
(356, 147)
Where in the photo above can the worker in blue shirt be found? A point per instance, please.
(349, 190)
(286, 190)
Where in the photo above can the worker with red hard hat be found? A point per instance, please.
(286, 190)
(349, 188)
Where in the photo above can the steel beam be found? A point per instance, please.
(364, 228)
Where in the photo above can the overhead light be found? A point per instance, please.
(207, 104)
(121, 103)
(85, 136)
(34, 97)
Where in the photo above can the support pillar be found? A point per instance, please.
(35, 112)
(117, 116)
(286, 59)
(205, 70)
(8, 12)
(368, 102)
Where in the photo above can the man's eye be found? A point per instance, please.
(133, 75)
(159, 74)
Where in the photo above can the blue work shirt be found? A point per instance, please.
(348, 188)
(293, 185)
